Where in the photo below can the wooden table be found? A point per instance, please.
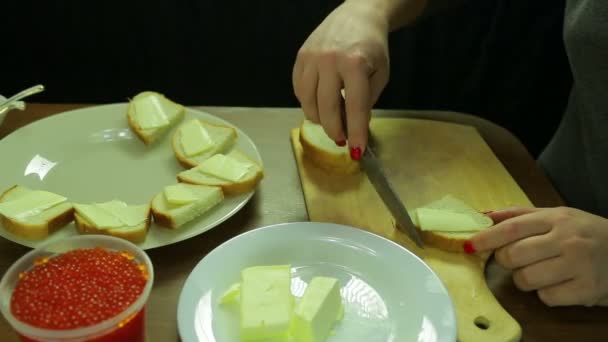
(279, 199)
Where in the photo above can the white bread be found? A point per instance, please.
(174, 216)
(149, 136)
(245, 184)
(136, 233)
(38, 226)
(223, 138)
(323, 152)
(452, 241)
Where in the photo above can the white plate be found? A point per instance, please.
(91, 155)
(390, 295)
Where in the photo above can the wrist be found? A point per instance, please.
(395, 13)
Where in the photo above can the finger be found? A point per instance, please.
(510, 230)
(330, 101)
(296, 74)
(378, 81)
(307, 92)
(527, 251)
(357, 104)
(505, 214)
(570, 292)
(543, 274)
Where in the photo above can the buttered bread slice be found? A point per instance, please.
(322, 151)
(448, 222)
(181, 203)
(34, 214)
(234, 172)
(114, 218)
(151, 114)
(196, 140)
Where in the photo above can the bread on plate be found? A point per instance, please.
(115, 218)
(151, 114)
(196, 140)
(180, 203)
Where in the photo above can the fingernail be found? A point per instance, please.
(341, 143)
(488, 212)
(468, 247)
(355, 153)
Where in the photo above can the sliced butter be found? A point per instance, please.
(179, 195)
(153, 111)
(224, 167)
(231, 295)
(30, 204)
(450, 214)
(318, 310)
(112, 214)
(266, 302)
(195, 138)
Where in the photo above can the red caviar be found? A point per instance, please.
(78, 288)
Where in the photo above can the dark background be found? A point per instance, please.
(498, 59)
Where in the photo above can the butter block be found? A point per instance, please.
(224, 167)
(30, 204)
(179, 194)
(154, 111)
(317, 312)
(195, 138)
(266, 303)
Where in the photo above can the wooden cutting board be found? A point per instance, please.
(425, 160)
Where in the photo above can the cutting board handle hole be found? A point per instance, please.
(482, 323)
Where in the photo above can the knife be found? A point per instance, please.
(370, 164)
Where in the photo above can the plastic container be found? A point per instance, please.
(129, 325)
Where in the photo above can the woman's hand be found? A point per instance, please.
(348, 50)
(562, 253)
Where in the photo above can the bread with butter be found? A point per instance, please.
(127, 222)
(323, 152)
(196, 140)
(178, 204)
(33, 214)
(151, 114)
(448, 222)
(235, 173)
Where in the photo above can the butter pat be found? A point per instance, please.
(450, 214)
(194, 138)
(30, 204)
(266, 302)
(112, 214)
(318, 310)
(231, 295)
(224, 167)
(154, 111)
(179, 195)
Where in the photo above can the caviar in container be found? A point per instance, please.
(84, 288)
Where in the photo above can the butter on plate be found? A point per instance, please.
(318, 310)
(266, 302)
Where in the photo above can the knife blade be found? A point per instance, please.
(370, 164)
(372, 167)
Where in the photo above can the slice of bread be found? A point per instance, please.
(246, 183)
(323, 152)
(173, 112)
(135, 233)
(458, 224)
(223, 138)
(37, 226)
(173, 216)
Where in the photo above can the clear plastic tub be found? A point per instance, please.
(126, 326)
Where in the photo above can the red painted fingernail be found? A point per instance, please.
(488, 212)
(341, 143)
(468, 247)
(355, 153)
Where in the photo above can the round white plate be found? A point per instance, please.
(91, 155)
(390, 295)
